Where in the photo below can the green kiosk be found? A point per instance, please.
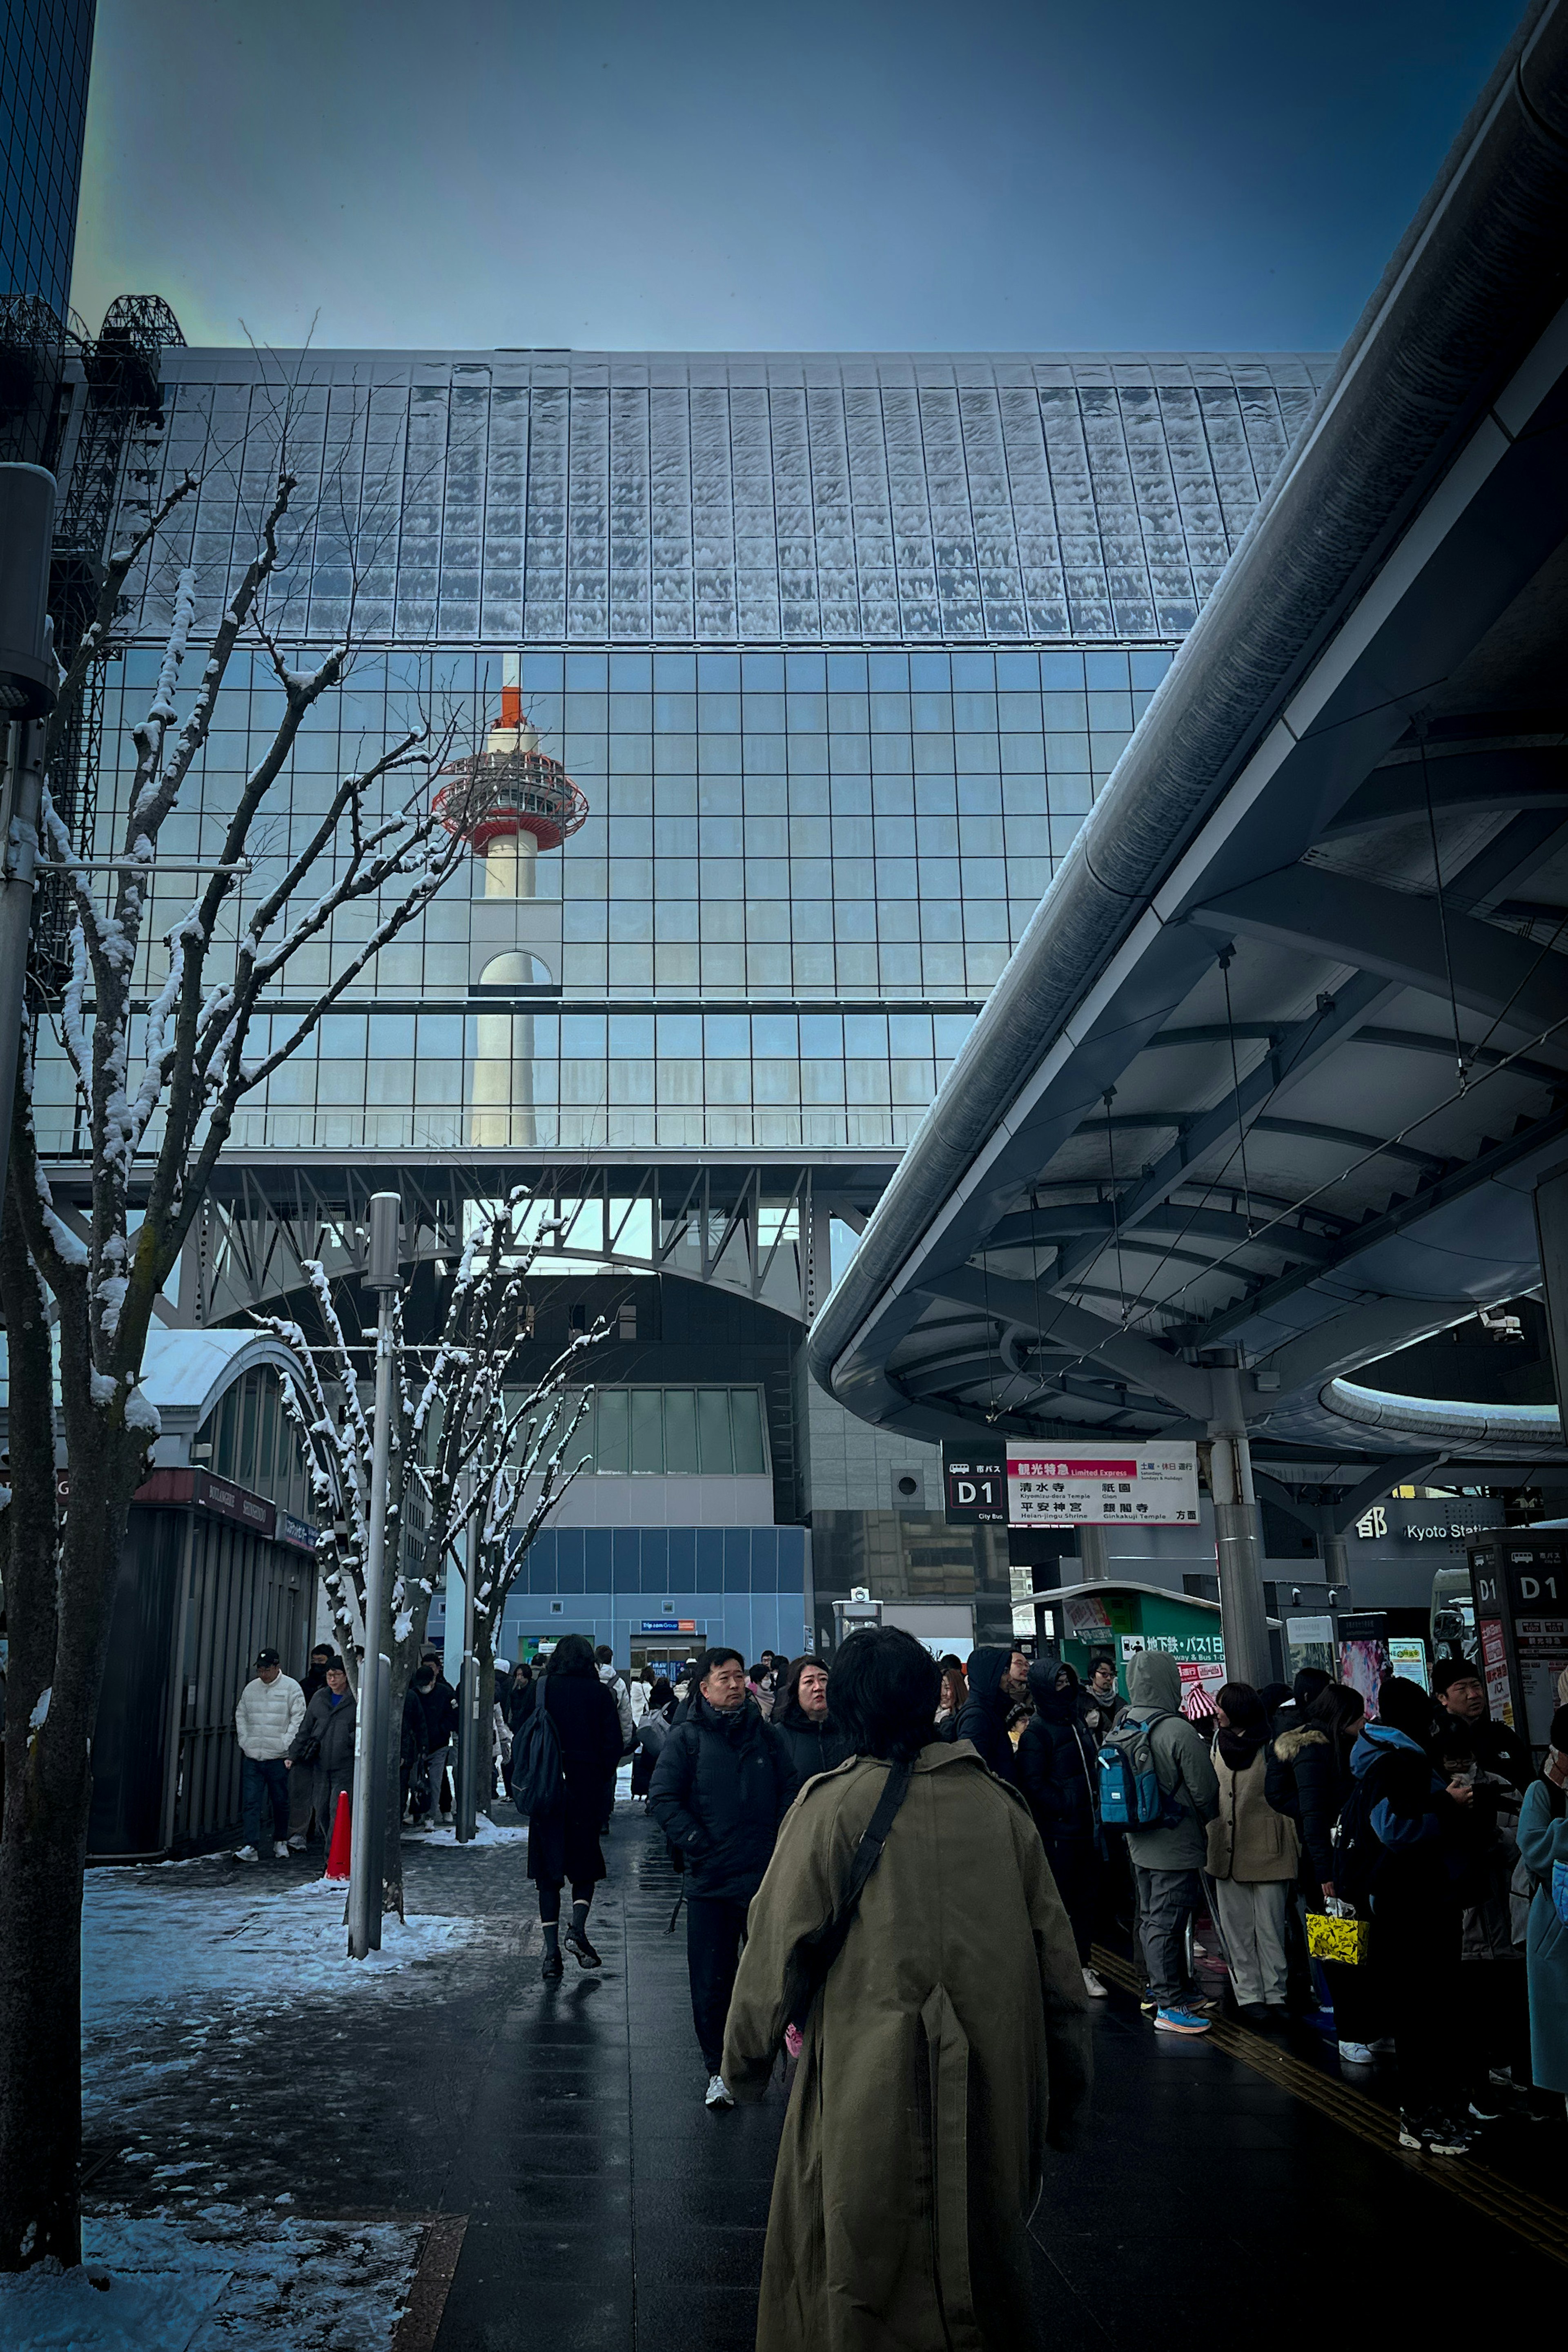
(1114, 1618)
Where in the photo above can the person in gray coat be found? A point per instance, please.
(325, 1742)
(1167, 1857)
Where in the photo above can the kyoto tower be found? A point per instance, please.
(509, 801)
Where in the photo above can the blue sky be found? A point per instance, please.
(874, 175)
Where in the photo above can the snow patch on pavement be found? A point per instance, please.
(208, 2281)
(143, 1947)
(486, 1832)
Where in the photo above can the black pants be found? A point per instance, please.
(1415, 1973)
(715, 1933)
(1075, 1866)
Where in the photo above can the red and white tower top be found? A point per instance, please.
(511, 788)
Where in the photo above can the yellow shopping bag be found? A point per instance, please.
(1344, 1940)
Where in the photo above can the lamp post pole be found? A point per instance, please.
(469, 1741)
(369, 1809)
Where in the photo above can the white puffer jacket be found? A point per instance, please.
(267, 1716)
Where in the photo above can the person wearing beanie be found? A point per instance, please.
(1461, 1697)
(1403, 1843)
(1543, 1847)
(1056, 1754)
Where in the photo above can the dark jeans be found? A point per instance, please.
(715, 1933)
(1075, 1866)
(1415, 1975)
(270, 1778)
(1164, 1898)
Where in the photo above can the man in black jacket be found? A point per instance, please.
(1458, 1690)
(722, 1785)
(983, 1717)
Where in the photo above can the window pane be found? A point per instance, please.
(715, 1450)
(681, 1432)
(609, 1454)
(745, 1413)
(647, 1431)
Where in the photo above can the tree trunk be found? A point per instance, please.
(58, 1599)
(485, 1658)
(401, 1675)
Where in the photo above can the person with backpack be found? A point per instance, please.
(1172, 1797)
(1403, 1853)
(653, 1730)
(1252, 1856)
(1543, 1849)
(946, 2038)
(983, 1718)
(1056, 1754)
(564, 1762)
(722, 1785)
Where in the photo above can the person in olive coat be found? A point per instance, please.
(723, 1783)
(1056, 1754)
(801, 1716)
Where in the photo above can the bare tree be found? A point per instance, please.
(487, 1460)
(377, 841)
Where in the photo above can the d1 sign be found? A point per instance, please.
(1108, 1484)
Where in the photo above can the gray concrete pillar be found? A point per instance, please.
(1093, 1555)
(1551, 1232)
(1239, 1537)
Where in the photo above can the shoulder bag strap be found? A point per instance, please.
(816, 1953)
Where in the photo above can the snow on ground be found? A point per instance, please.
(207, 2280)
(143, 1944)
(486, 1833)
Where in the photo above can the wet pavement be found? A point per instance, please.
(605, 2208)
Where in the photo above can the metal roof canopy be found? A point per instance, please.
(1274, 1073)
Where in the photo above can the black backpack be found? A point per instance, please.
(539, 1775)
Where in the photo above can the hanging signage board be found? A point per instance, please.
(1521, 1584)
(1106, 1485)
(974, 1482)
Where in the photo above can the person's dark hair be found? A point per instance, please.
(1449, 1671)
(321, 1650)
(711, 1658)
(523, 1668)
(1309, 1682)
(661, 1693)
(1336, 1706)
(758, 1672)
(1273, 1696)
(1557, 1731)
(882, 1692)
(573, 1654)
(1243, 1704)
(1405, 1706)
(787, 1711)
(335, 1665)
(1102, 1658)
(604, 1655)
(425, 1678)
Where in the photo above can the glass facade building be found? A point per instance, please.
(840, 651)
(45, 52)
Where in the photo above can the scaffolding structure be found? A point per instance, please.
(121, 414)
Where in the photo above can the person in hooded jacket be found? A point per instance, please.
(723, 1783)
(653, 1730)
(801, 1719)
(1056, 1755)
(1252, 1856)
(983, 1718)
(1403, 1856)
(1167, 1856)
(325, 1742)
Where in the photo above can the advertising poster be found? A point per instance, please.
(1407, 1659)
(1107, 1484)
(1362, 1665)
(1494, 1666)
(1543, 1645)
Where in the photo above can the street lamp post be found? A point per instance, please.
(365, 1867)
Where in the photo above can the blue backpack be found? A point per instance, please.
(1131, 1797)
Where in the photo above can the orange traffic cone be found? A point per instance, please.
(338, 1858)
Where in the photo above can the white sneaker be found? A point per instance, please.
(297, 1843)
(719, 2093)
(1095, 1988)
(281, 1849)
(1354, 2053)
(246, 1853)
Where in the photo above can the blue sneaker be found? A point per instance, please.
(1179, 2020)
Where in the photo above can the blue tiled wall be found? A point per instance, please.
(742, 1585)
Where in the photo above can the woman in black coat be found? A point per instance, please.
(564, 1842)
(1056, 1769)
(801, 1719)
(1308, 1776)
